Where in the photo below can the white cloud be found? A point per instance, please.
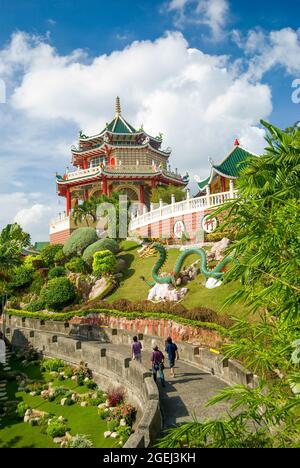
(25, 209)
(268, 50)
(213, 13)
(195, 99)
(35, 219)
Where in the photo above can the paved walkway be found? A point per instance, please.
(185, 395)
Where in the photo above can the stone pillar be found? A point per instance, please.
(85, 164)
(161, 203)
(151, 206)
(188, 194)
(173, 199)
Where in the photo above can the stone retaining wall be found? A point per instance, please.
(109, 368)
(155, 327)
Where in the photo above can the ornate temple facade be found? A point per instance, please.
(118, 159)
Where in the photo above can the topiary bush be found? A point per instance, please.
(22, 277)
(48, 254)
(76, 265)
(104, 262)
(102, 244)
(58, 293)
(56, 272)
(79, 240)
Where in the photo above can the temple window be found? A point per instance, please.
(95, 162)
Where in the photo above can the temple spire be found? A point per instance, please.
(118, 106)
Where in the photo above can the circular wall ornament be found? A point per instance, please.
(179, 229)
(209, 224)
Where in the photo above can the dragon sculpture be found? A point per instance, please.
(215, 273)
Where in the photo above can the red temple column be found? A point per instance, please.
(85, 164)
(223, 184)
(142, 194)
(104, 185)
(109, 190)
(68, 201)
(86, 194)
(153, 183)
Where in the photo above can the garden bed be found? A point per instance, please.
(47, 408)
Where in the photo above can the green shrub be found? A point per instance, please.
(59, 258)
(113, 425)
(37, 283)
(34, 262)
(52, 365)
(61, 392)
(104, 262)
(48, 254)
(79, 240)
(58, 293)
(80, 441)
(28, 262)
(56, 428)
(102, 244)
(68, 371)
(22, 277)
(91, 384)
(104, 413)
(35, 305)
(76, 265)
(21, 409)
(56, 272)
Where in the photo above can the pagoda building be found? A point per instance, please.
(118, 159)
(223, 175)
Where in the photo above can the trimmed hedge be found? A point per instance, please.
(104, 263)
(102, 244)
(58, 293)
(79, 240)
(63, 317)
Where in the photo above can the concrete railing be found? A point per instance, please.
(184, 207)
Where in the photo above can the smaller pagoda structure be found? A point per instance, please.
(222, 176)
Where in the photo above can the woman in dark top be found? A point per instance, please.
(136, 349)
(172, 351)
(157, 360)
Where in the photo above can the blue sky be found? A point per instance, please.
(172, 62)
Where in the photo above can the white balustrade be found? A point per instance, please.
(181, 208)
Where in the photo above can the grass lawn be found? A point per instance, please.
(14, 433)
(133, 288)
